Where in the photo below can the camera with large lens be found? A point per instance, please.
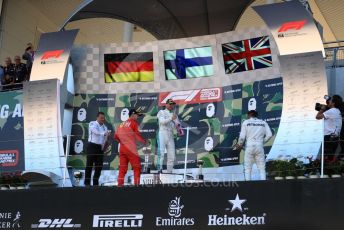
(319, 106)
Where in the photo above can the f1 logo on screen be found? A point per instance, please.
(52, 54)
(295, 25)
(192, 96)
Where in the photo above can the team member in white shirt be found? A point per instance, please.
(97, 136)
(255, 132)
(333, 125)
(167, 125)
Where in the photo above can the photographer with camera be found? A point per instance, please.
(333, 124)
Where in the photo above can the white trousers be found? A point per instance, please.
(254, 154)
(166, 144)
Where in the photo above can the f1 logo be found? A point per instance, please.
(191, 96)
(295, 25)
(52, 54)
(186, 96)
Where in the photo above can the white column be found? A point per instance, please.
(127, 32)
(1, 2)
(2, 18)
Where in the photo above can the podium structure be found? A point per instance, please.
(50, 89)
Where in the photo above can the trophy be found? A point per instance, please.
(146, 151)
(77, 175)
(200, 169)
(180, 131)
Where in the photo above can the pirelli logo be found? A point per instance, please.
(118, 221)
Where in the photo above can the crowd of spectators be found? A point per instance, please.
(12, 75)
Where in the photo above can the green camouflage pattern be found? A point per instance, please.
(223, 127)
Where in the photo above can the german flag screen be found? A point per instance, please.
(128, 67)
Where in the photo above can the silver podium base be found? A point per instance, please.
(157, 178)
(162, 178)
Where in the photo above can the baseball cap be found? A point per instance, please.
(170, 101)
(134, 111)
(253, 112)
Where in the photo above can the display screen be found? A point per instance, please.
(188, 63)
(128, 67)
(245, 55)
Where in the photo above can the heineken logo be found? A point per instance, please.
(237, 216)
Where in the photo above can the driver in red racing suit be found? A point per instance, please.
(127, 135)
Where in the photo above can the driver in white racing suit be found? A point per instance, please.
(256, 132)
(166, 119)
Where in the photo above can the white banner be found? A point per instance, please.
(304, 83)
(42, 130)
(292, 27)
(52, 55)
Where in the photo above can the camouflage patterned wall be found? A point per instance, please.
(11, 132)
(218, 123)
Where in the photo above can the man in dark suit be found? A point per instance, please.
(29, 57)
(20, 72)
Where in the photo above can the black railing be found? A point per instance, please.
(11, 87)
(334, 54)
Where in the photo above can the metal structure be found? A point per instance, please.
(334, 54)
(167, 19)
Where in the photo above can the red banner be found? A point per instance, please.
(192, 96)
(9, 158)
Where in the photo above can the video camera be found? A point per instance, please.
(318, 106)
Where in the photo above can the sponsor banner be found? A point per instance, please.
(175, 217)
(192, 96)
(236, 215)
(9, 158)
(11, 131)
(10, 220)
(52, 55)
(292, 27)
(300, 134)
(232, 205)
(118, 221)
(55, 223)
